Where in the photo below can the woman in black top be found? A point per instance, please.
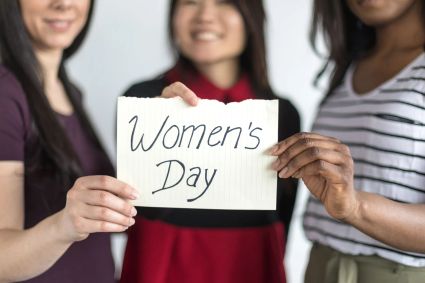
(221, 55)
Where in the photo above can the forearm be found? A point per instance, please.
(28, 253)
(396, 224)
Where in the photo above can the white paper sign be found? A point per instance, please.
(212, 156)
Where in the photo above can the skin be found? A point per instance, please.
(211, 34)
(325, 164)
(94, 203)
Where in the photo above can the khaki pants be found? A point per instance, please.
(327, 265)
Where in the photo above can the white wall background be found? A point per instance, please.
(128, 43)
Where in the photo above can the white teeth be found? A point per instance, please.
(59, 24)
(207, 36)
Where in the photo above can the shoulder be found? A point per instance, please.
(289, 118)
(414, 78)
(8, 81)
(286, 108)
(15, 117)
(11, 91)
(149, 88)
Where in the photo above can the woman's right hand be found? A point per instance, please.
(326, 167)
(96, 204)
(179, 89)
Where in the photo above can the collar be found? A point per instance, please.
(205, 89)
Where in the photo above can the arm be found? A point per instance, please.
(92, 206)
(24, 253)
(326, 167)
(396, 224)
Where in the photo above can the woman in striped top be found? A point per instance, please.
(365, 162)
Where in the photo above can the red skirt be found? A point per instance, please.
(158, 252)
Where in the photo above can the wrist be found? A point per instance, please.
(58, 229)
(358, 206)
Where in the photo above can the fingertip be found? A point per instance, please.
(191, 98)
(133, 211)
(272, 150)
(195, 101)
(134, 195)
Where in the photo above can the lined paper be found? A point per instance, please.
(211, 156)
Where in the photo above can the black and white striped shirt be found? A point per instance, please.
(385, 130)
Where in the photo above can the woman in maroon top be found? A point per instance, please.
(47, 211)
(221, 55)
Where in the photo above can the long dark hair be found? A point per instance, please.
(55, 155)
(253, 58)
(346, 37)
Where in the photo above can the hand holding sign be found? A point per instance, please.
(96, 204)
(179, 89)
(209, 156)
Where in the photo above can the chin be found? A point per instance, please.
(58, 44)
(376, 20)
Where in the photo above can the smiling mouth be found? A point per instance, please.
(59, 25)
(206, 36)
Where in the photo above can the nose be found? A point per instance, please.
(207, 11)
(62, 4)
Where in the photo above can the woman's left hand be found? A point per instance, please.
(326, 167)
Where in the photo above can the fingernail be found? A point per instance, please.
(283, 172)
(132, 221)
(133, 212)
(135, 195)
(195, 101)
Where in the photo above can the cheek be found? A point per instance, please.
(30, 17)
(401, 7)
(83, 9)
(180, 25)
(236, 31)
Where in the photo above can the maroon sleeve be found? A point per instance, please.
(13, 117)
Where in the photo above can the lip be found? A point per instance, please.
(59, 25)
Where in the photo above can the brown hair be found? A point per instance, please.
(253, 58)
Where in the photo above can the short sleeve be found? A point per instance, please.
(13, 113)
